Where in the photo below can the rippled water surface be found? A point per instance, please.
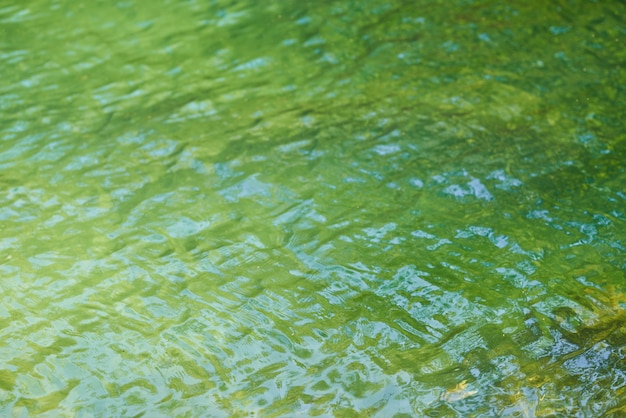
(312, 208)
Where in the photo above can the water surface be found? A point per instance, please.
(373, 208)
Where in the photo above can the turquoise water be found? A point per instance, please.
(333, 208)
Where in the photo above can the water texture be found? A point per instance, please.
(298, 208)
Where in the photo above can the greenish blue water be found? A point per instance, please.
(331, 208)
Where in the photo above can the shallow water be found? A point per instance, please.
(373, 208)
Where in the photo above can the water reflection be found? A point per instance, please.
(371, 210)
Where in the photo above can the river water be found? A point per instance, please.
(297, 208)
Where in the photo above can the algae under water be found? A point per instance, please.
(332, 208)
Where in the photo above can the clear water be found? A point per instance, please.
(331, 208)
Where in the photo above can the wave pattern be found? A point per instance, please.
(236, 209)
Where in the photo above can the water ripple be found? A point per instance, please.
(279, 209)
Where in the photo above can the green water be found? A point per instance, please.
(299, 208)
